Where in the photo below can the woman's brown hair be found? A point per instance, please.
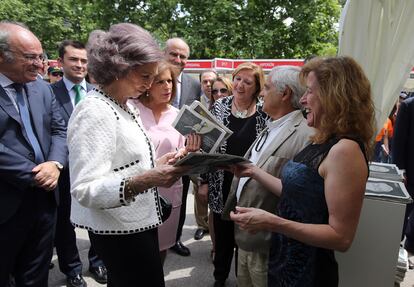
(346, 100)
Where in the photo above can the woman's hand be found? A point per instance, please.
(252, 219)
(193, 142)
(168, 158)
(242, 169)
(163, 175)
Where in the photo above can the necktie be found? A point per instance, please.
(78, 94)
(25, 117)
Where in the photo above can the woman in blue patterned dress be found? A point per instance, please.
(321, 190)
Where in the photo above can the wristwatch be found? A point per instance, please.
(58, 165)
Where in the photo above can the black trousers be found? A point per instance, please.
(186, 186)
(132, 259)
(65, 236)
(408, 228)
(26, 240)
(224, 247)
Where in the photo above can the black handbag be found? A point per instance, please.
(166, 207)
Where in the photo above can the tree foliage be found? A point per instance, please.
(214, 28)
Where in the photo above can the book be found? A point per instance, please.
(208, 162)
(198, 119)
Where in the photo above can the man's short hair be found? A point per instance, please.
(288, 76)
(208, 71)
(4, 39)
(73, 43)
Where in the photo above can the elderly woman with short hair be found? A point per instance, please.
(112, 161)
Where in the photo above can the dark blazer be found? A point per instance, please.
(190, 90)
(16, 153)
(66, 109)
(403, 141)
(63, 98)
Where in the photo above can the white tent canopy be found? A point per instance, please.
(378, 35)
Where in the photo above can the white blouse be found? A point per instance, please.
(106, 146)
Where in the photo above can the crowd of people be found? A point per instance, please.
(99, 155)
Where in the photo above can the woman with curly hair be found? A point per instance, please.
(322, 189)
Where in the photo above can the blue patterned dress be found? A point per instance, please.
(293, 263)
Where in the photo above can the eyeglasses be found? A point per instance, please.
(57, 74)
(222, 91)
(261, 141)
(32, 58)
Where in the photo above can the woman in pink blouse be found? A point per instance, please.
(157, 115)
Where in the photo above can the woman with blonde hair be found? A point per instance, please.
(322, 189)
(243, 115)
(222, 87)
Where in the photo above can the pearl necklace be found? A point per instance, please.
(242, 114)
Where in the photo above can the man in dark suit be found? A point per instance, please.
(32, 153)
(403, 157)
(69, 91)
(188, 90)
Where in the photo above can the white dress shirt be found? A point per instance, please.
(263, 143)
(69, 86)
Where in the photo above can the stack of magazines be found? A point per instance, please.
(385, 182)
(197, 119)
(402, 265)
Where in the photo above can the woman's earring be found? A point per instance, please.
(147, 94)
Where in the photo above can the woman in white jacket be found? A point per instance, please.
(112, 162)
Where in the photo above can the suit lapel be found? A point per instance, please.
(88, 87)
(8, 107)
(285, 133)
(184, 89)
(63, 97)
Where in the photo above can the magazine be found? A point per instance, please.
(204, 162)
(388, 190)
(203, 111)
(189, 121)
(385, 171)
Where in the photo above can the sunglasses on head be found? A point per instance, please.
(57, 74)
(222, 91)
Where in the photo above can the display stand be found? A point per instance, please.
(372, 258)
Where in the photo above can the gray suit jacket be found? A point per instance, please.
(190, 90)
(292, 138)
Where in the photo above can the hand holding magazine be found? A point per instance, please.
(197, 119)
(204, 162)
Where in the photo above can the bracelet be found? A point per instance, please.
(129, 190)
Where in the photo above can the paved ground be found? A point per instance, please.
(193, 271)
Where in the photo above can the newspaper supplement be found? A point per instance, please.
(188, 121)
(203, 111)
(204, 162)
